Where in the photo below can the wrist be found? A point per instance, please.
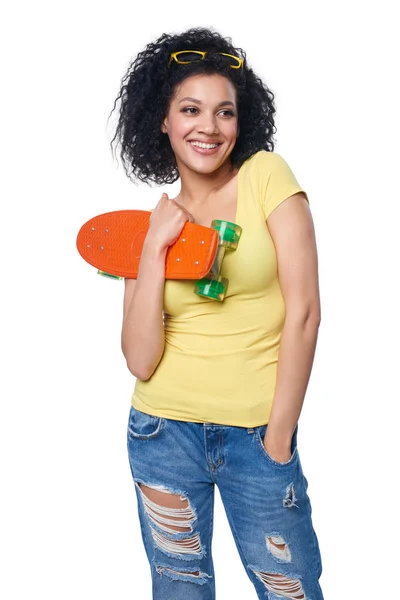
(153, 247)
(279, 436)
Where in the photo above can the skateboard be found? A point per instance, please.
(112, 242)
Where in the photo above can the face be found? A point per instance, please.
(202, 122)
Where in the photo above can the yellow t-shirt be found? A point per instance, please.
(220, 358)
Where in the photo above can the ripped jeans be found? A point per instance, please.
(175, 465)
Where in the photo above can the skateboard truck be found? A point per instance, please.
(214, 286)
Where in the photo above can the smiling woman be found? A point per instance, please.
(153, 78)
(219, 386)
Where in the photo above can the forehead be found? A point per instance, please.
(206, 89)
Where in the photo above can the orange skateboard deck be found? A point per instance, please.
(112, 242)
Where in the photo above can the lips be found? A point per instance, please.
(212, 142)
(205, 141)
(204, 151)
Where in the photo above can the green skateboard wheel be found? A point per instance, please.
(104, 274)
(215, 289)
(229, 233)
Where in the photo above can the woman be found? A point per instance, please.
(212, 404)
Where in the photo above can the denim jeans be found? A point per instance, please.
(266, 504)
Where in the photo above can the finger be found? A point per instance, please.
(186, 214)
(164, 196)
(185, 210)
(190, 216)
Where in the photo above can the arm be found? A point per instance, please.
(142, 337)
(292, 231)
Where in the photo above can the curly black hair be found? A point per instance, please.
(148, 86)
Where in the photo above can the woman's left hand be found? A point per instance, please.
(277, 451)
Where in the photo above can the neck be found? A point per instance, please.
(197, 187)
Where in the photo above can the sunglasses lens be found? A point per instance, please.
(232, 61)
(187, 56)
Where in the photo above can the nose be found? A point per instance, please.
(208, 125)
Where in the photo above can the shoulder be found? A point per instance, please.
(265, 161)
(268, 170)
(270, 176)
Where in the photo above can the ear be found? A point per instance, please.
(164, 125)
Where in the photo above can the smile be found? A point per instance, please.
(204, 145)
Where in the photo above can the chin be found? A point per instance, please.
(207, 164)
(205, 169)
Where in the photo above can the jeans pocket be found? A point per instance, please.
(143, 426)
(260, 433)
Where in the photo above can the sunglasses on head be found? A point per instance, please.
(185, 57)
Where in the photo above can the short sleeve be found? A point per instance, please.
(276, 181)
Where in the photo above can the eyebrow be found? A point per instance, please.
(223, 103)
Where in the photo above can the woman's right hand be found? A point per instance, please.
(167, 221)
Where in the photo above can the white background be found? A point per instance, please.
(69, 522)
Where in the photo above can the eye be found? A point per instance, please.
(192, 110)
(189, 109)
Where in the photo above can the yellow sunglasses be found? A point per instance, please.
(185, 57)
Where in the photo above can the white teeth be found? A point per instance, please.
(203, 145)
